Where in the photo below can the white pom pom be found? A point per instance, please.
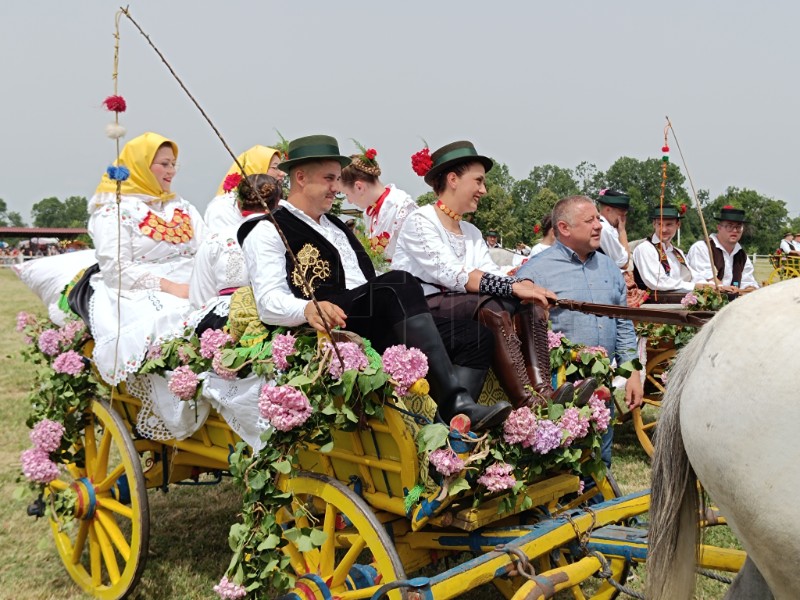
(115, 131)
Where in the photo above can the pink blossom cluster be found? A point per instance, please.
(73, 331)
(183, 382)
(211, 341)
(689, 299)
(153, 352)
(520, 427)
(352, 355)
(282, 348)
(37, 466)
(498, 477)
(222, 370)
(69, 363)
(183, 355)
(50, 342)
(573, 425)
(228, 590)
(24, 319)
(554, 339)
(596, 350)
(446, 462)
(601, 414)
(284, 407)
(46, 435)
(547, 438)
(405, 366)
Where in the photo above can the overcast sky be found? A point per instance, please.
(529, 82)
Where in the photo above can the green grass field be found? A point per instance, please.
(189, 525)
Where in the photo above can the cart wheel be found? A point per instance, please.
(105, 547)
(357, 553)
(782, 273)
(646, 416)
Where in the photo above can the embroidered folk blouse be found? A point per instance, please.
(265, 257)
(440, 259)
(218, 265)
(384, 222)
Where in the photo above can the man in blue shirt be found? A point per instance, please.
(574, 270)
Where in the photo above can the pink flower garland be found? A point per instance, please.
(37, 466)
(520, 427)
(554, 339)
(446, 462)
(69, 363)
(46, 435)
(601, 414)
(228, 590)
(498, 477)
(352, 355)
(405, 366)
(282, 348)
(573, 425)
(211, 340)
(284, 407)
(183, 382)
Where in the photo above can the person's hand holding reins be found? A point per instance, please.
(334, 315)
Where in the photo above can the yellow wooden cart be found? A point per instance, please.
(783, 267)
(354, 494)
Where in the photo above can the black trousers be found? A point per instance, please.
(376, 309)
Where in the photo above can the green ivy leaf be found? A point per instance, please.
(283, 466)
(318, 537)
(459, 484)
(270, 542)
(431, 437)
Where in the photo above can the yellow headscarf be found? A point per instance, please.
(255, 160)
(137, 155)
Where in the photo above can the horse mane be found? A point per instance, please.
(673, 541)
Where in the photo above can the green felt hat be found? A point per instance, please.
(453, 154)
(669, 212)
(313, 148)
(614, 198)
(491, 233)
(728, 213)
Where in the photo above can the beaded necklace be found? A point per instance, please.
(448, 211)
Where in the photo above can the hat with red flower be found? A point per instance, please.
(445, 158)
(614, 198)
(365, 160)
(729, 213)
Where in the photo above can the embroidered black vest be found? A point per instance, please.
(662, 258)
(739, 260)
(319, 263)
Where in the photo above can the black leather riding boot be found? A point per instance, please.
(450, 395)
(471, 379)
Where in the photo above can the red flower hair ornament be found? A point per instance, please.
(231, 182)
(537, 228)
(421, 161)
(728, 207)
(682, 209)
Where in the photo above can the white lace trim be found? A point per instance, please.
(148, 281)
(148, 423)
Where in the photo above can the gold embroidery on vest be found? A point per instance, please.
(311, 268)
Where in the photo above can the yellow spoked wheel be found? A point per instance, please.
(782, 273)
(356, 555)
(646, 416)
(105, 547)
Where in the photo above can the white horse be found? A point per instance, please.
(731, 418)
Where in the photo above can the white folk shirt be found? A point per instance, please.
(218, 265)
(786, 246)
(796, 245)
(680, 278)
(222, 213)
(441, 259)
(383, 225)
(540, 247)
(265, 257)
(610, 244)
(698, 260)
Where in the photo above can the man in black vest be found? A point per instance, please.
(732, 267)
(387, 309)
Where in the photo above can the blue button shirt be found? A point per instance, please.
(597, 280)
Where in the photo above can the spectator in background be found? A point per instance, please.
(796, 242)
(492, 239)
(548, 236)
(613, 207)
(787, 245)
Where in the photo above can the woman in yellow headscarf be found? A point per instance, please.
(144, 246)
(223, 212)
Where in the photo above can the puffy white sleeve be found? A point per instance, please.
(203, 286)
(429, 257)
(113, 244)
(786, 247)
(645, 257)
(265, 257)
(697, 258)
(748, 275)
(396, 215)
(612, 246)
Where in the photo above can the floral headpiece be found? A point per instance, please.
(421, 161)
(231, 182)
(537, 228)
(365, 161)
(683, 208)
(282, 146)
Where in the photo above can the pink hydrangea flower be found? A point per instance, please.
(153, 352)
(73, 331)
(405, 366)
(183, 355)
(69, 363)
(573, 425)
(222, 370)
(50, 342)
(554, 339)
(446, 462)
(24, 319)
(46, 435)
(284, 407)
(520, 427)
(689, 299)
(547, 436)
(498, 477)
(212, 340)
(228, 590)
(352, 355)
(37, 466)
(183, 382)
(601, 414)
(282, 348)
(596, 350)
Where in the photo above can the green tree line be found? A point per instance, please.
(512, 207)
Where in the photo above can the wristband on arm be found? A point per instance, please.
(497, 285)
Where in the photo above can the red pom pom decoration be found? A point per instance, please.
(728, 207)
(665, 149)
(537, 228)
(371, 154)
(421, 162)
(115, 104)
(231, 182)
(682, 209)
